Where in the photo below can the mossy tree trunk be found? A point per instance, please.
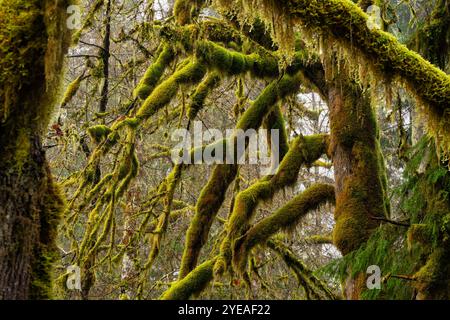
(34, 36)
(358, 167)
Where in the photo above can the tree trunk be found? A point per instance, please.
(358, 167)
(29, 200)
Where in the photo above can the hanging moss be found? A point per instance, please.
(154, 73)
(185, 10)
(192, 284)
(348, 23)
(433, 40)
(201, 92)
(283, 218)
(71, 90)
(272, 14)
(89, 19)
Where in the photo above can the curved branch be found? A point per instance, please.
(287, 216)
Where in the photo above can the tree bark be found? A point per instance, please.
(29, 200)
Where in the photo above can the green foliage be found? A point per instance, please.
(387, 249)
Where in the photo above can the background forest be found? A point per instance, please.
(88, 103)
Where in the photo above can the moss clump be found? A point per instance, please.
(185, 10)
(71, 90)
(99, 133)
(192, 284)
(433, 278)
(283, 218)
(201, 92)
(154, 73)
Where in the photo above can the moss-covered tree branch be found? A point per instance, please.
(285, 217)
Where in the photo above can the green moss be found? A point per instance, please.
(346, 22)
(359, 166)
(303, 151)
(433, 278)
(433, 40)
(33, 42)
(232, 62)
(22, 149)
(188, 73)
(384, 249)
(425, 197)
(201, 92)
(185, 10)
(208, 204)
(275, 120)
(89, 19)
(53, 204)
(23, 42)
(268, 98)
(192, 284)
(419, 234)
(71, 90)
(154, 73)
(99, 133)
(285, 217)
(213, 193)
